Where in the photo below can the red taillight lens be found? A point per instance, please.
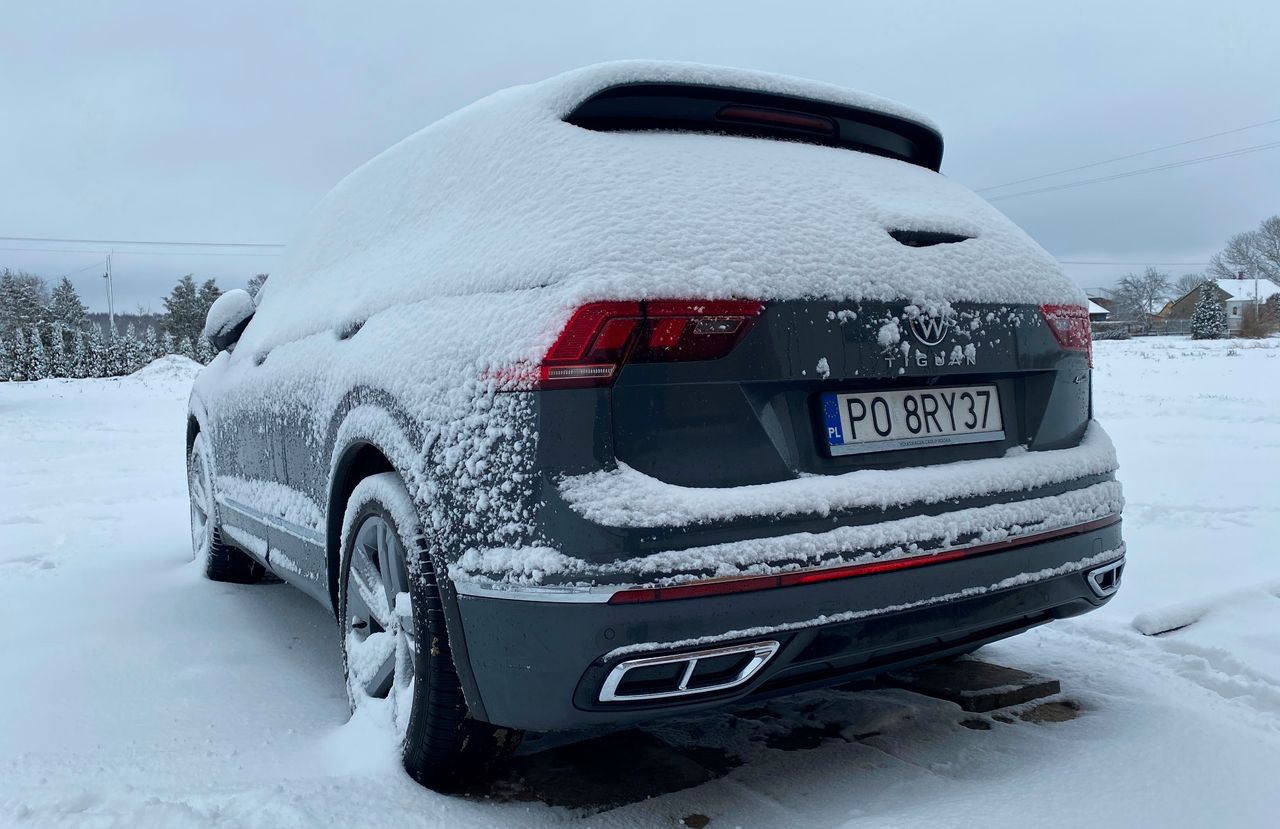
(1070, 326)
(676, 331)
(592, 345)
(601, 336)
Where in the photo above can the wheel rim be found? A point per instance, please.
(201, 508)
(381, 640)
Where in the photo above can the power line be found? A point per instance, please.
(181, 253)
(1132, 264)
(1130, 155)
(1141, 171)
(85, 268)
(141, 242)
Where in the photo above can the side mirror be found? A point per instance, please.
(227, 318)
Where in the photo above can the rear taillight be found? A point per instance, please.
(1070, 326)
(601, 336)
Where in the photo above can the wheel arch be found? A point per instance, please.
(197, 417)
(193, 429)
(375, 436)
(357, 461)
(370, 437)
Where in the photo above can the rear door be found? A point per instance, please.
(821, 387)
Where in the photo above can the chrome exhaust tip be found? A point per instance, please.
(1105, 580)
(686, 674)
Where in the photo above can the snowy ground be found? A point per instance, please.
(134, 693)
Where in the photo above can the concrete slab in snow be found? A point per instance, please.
(975, 685)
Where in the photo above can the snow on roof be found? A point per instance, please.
(504, 195)
(1247, 290)
(1095, 308)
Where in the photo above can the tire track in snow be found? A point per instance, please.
(1211, 669)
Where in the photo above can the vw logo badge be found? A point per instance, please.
(930, 331)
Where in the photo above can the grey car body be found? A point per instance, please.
(595, 542)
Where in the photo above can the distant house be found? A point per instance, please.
(1097, 313)
(1235, 295)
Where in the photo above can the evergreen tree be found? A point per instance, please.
(21, 356)
(167, 344)
(1271, 312)
(38, 367)
(255, 284)
(114, 360)
(183, 316)
(209, 292)
(6, 359)
(204, 351)
(185, 349)
(65, 306)
(79, 361)
(1209, 318)
(23, 297)
(95, 363)
(131, 351)
(200, 349)
(58, 366)
(151, 345)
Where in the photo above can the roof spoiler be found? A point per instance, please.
(699, 108)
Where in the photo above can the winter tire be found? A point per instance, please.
(222, 562)
(395, 647)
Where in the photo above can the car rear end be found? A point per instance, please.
(739, 497)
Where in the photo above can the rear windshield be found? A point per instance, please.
(690, 108)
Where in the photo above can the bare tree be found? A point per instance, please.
(1254, 253)
(1138, 296)
(1257, 321)
(1187, 283)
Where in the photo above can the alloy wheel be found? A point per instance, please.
(201, 506)
(381, 642)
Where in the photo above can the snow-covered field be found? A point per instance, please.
(134, 693)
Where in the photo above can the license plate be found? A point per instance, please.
(879, 421)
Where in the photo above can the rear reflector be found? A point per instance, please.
(1070, 326)
(601, 336)
(721, 587)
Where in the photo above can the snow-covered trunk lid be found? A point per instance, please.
(822, 387)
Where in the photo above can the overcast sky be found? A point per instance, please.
(227, 121)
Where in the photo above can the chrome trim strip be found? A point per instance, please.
(1072, 568)
(282, 524)
(761, 652)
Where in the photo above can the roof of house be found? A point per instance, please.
(1239, 290)
(1243, 290)
(1095, 308)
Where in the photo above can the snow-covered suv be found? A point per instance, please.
(649, 388)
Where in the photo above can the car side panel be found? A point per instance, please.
(240, 439)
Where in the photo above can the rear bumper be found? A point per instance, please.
(541, 665)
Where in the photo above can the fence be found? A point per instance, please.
(1123, 329)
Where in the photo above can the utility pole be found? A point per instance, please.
(111, 301)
